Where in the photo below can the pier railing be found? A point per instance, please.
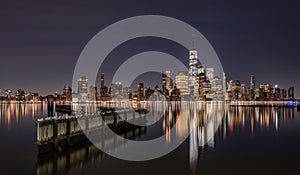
(55, 133)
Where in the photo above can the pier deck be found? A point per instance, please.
(55, 133)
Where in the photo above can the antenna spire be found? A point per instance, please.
(193, 41)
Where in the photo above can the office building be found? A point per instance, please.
(103, 89)
(252, 87)
(217, 89)
(182, 84)
(141, 91)
(116, 90)
(210, 74)
(82, 88)
(283, 94)
(291, 94)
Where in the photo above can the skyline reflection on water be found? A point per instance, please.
(262, 123)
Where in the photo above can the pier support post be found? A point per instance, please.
(54, 123)
(68, 131)
(115, 121)
(125, 122)
(50, 108)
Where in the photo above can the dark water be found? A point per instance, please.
(247, 141)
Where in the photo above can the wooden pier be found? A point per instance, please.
(57, 133)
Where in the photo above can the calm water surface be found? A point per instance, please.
(248, 140)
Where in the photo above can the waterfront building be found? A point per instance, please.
(217, 89)
(20, 95)
(67, 93)
(182, 84)
(93, 93)
(224, 85)
(252, 87)
(277, 93)
(235, 91)
(150, 94)
(193, 62)
(265, 92)
(200, 78)
(103, 88)
(140, 92)
(175, 94)
(167, 83)
(116, 90)
(291, 94)
(244, 93)
(67, 90)
(193, 71)
(82, 85)
(32, 96)
(192, 86)
(168, 79)
(257, 93)
(102, 80)
(205, 91)
(127, 93)
(8, 94)
(210, 74)
(283, 94)
(163, 79)
(82, 88)
(201, 81)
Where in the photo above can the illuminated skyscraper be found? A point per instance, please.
(277, 93)
(201, 78)
(193, 62)
(163, 79)
(127, 93)
(291, 93)
(102, 80)
(117, 90)
(210, 74)
(217, 89)
(82, 85)
(252, 87)
(182, 83)
(265, 92)
(140, 92)
(82, 88)
(168, 79)
(167, 83)
(283, 93)
(224, 85)
(67, 93)
(193, 71)
(103, 88)
(93, 93)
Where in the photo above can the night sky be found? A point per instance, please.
(40, 41)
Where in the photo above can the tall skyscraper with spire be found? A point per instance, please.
(193, 71)
(193, 62)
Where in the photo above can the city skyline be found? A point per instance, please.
(235, 90)
(169, 83)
